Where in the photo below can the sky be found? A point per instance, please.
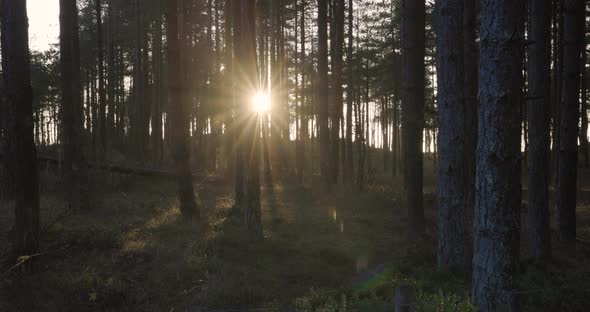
(43, 23)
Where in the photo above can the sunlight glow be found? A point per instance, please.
(261, 102)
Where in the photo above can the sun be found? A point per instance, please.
(261, 102)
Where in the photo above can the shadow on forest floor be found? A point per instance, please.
(136, 253)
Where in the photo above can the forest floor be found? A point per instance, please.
(134, 252)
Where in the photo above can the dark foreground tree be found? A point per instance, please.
(538, 109)
(497, 202)
(22, 156)
(72, 115)
(413, 29)
(177, 109)
(568, 149)
(455, 210)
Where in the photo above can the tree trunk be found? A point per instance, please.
(177, 110)
(101, 84)
(349, 168)
(323, 91)
(413, 47)
(568, 148)
(338, 49)
(455, 210)
(497, 208)
(22, 156)
(247, 59)
(539, 105)
(76, 169)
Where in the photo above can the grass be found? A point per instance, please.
(342, 252)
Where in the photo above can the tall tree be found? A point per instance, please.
(497, 203)
(72, 115)
(413, 72)
(177, 109)
(455, 211)
(102, 98)
(247, 60)
(323, 91)
(349, 168)
(568, 149)
(538, 109)
(22, 155)
(337, 61)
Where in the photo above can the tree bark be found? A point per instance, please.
(568, 148)
(497, 203)
(247, 59)
(337, 61)
(413, 47)
(22, 156)
(455, 210)
(72, 115)
(539, 106)
(177, 110)
(323, 92)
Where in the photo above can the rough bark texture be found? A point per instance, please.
(72, 115)
(19, 126)
(470, 87)
(179, 124)
(413, 29)
(497, 203)
(538, 108)
(323, 91)
(455, 212)
(568, 148)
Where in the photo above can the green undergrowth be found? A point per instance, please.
(432, 291)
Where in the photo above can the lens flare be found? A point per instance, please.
(261, 102)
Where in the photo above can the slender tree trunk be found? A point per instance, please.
(179, 123)
(323, 91)
(497, 210)
(349, 168)
(568, 149)
(247, 59)
(557, 86)
(22, 156)
(455, 210)
(539, 105)
(413, 47)
(102, 102)
(584, 110)
(338, 48)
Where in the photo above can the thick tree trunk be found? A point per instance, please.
(76, 169)
(497, 208)
(22, 156)
(568, 148)
(323, 91)
(179, 124)
(455, 210)
(413, 47)
(538, 108)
